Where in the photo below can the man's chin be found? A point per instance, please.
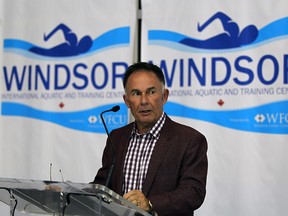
(147, 122)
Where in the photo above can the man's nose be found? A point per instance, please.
(144, 98)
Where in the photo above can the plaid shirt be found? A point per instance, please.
(138, 155)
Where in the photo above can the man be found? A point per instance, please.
(161, 166)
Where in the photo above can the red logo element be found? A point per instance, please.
(61, 105)
(220, 102)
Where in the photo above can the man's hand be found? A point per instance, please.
(138, 199)
(53, 188)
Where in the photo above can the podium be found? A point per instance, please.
(64, 199)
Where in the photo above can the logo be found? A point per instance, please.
(92, 119)
(272, 118)
(260, 118)
(71, 45)
(272, 121)
(231, 37)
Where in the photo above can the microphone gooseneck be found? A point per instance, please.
(114, 109)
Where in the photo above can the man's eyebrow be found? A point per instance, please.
(151, 88)
(133, 90)
(148, 89)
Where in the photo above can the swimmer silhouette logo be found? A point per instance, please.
(231, 37)
(71, 46)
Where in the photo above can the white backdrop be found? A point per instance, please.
(236, 95)
(51, 121)
(240, 104)
(50, 100)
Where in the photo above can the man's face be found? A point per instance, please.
(145, 96)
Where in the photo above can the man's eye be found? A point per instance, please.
(151, 92)
(136, 93)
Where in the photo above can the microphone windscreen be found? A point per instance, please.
(116, 108)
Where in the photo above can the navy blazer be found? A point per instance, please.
(176, 178)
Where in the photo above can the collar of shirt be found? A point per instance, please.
(154, 131)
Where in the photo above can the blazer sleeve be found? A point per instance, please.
(102, 173)
(179, 186)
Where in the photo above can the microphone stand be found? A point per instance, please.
(114, 109)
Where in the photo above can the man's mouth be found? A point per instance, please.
(145, 111)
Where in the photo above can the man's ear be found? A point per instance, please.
(165, 95)
(125, 100)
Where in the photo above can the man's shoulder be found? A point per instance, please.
(182, 135)
(180, 129)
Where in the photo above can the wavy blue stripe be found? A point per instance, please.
(242, 119)
(110, 38)
(19, 44)
(164, 35)
(275, 29)
(77, 120)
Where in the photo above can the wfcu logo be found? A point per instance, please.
(45, 74)
(272, 120)
(236, 63)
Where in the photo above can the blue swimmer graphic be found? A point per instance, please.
(232, 37)
(71, 46)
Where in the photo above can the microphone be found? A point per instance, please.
(50, 170)
(114, 109)
(62, 177)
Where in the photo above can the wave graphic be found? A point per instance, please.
(269, 118)
(85, 120)
(274, 31)
(111, 39)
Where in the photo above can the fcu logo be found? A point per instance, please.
(272, 118)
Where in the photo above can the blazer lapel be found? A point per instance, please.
(160, 149)
(120, 157)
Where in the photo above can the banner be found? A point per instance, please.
(225, 64)
(62, 65)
